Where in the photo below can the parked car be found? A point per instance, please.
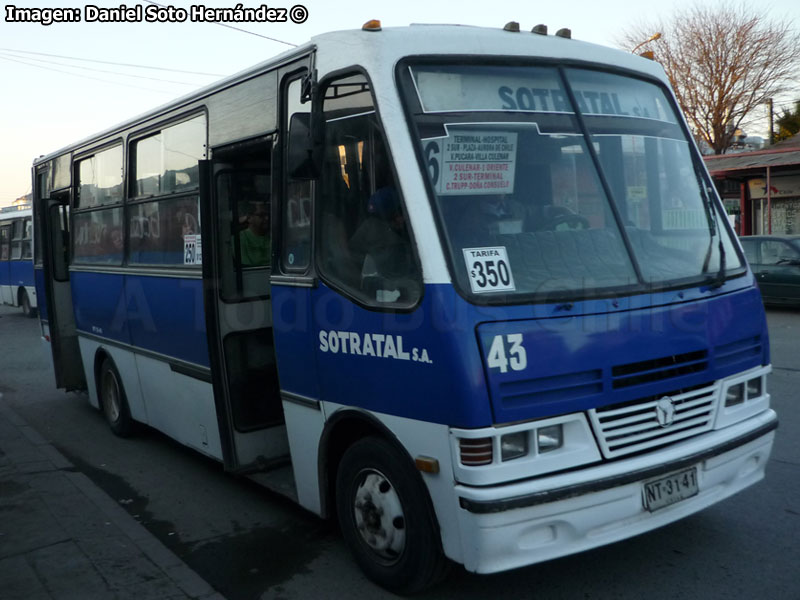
(775, 260)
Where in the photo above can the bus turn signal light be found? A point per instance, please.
(476, 452)
(426, 464)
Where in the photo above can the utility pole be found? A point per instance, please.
(771, 126)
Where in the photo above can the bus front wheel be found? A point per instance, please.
(113, 401)
(386, 518)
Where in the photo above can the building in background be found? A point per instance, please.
(761, 189)
(22, 201)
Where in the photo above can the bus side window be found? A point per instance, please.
(27, 236)
(162, 217)
(5, 237)
(365, 244)
(16, 239)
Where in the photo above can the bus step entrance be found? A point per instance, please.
(279, 480)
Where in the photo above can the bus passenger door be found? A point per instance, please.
(236, 253)
(58, 317)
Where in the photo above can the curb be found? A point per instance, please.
(184, 578)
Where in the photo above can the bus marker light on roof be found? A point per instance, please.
(541, 29)
(564, 33)
(372, 25)
(511, 26)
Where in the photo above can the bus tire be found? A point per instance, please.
(386, 518)
(113, 402)
(25, 303)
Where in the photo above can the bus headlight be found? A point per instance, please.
(549, 438)
(497, 454)
(743, 396)
(734, 395)
(513, 445)
(754, 387)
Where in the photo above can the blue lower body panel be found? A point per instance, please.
(160, 315)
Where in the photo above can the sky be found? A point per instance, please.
(49, 99)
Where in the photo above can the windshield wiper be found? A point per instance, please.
(719, 280)
(711, 215)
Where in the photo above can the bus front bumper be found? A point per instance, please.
(518, 524)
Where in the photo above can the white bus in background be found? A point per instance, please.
(16, 258)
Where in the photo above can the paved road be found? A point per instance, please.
(249, 543)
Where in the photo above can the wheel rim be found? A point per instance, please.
(111, 405)
(379, 516)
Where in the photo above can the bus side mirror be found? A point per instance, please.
(304, 156)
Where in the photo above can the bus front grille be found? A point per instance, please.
(659, 369)
(654, 421)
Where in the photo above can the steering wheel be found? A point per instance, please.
(571, 220)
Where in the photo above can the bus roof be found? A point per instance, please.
(382, 49)
(393, 43)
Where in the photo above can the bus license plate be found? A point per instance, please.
(670, 489)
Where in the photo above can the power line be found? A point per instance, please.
(84, 76)
(266, 37)
(69, 66)
(107, 62)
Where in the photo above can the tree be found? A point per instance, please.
(788, 123)
(724, 62)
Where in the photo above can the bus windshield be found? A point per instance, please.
(570, 183)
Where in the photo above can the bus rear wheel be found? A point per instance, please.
(113, 401)
(386, 518)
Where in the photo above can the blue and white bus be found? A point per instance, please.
(16, 258)
(468, 290)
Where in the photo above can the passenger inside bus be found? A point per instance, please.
(383, 247)
(493, 214)
(254, 240)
